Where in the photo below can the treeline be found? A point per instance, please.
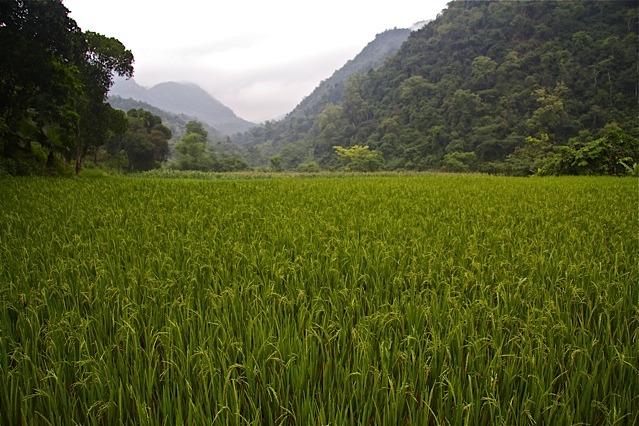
(175, 122)
(147, 143)
(54, 115)
(498, 87)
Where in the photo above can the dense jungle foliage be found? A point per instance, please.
(501, 87)
(54, 79)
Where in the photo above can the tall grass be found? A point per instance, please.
(380, 300)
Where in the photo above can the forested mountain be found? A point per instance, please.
(468, 90)
(175, 122)
(183, 98)
(268, 139)
(372, 56)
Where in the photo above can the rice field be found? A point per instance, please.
(371, 300)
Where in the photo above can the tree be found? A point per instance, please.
(104, 57)
(276, 163)
(38, 80)
(551, 113)
(459, 162)
(196, 127)
(191, 151)
(482, 72)
(360, 158)
(54, 79)
(231, 163)
(355, 109)
(533, 157)
(144, 143)
(611, 154)
(327, 132)
(310, 167)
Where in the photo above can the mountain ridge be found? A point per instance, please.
(372, 56)
(468, 91)
(175, 122)
(270, 137)
(183, 98)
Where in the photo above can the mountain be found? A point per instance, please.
(499, 87)
(183, 98)
(175, 122)
(475, 84)
(371, 57)
(271, 137)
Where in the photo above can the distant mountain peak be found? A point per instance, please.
(183, 98)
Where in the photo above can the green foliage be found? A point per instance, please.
(358, 300)
(197, 128)
(360, 158)
(143, 146)
(231, 163)
(608, 155)
(310, 167)
(276, 164)
(326, 132)
(55, 78)
(632, 171)
(92, 173)
(459, 162)
(551, 114)
(535, 157)
(482, 78)
(191, 153)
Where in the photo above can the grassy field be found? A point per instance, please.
(378, 300)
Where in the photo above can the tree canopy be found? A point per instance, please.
(54, 79)
(191, 152)
(468, 90)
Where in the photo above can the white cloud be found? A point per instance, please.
(259, 58)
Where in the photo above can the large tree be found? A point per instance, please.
(38, 83)
(104, 57)
(54, 79)
(191, 152)
(145, 143)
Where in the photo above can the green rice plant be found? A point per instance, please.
(385, 299)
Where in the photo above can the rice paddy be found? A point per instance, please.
(353, 300)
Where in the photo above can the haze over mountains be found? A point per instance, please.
(371, 57)
(469, 90)
(183, 98)
(191, 100)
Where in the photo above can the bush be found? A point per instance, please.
(459, 162)
(310, 167)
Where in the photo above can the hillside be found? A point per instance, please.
(271, 137)
(372, 56)
(175, 122)
(183, 98)
(467, 91)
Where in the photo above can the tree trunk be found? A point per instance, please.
(79, 159)
(50, 159)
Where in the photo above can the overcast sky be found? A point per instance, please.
(260, 58)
